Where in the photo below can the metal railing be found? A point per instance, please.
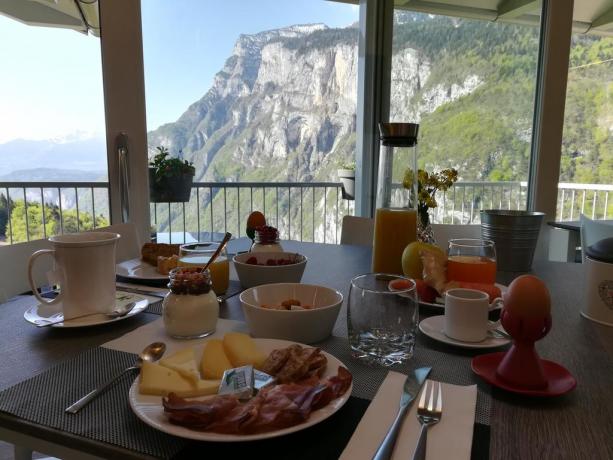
(305, 211)
(589, 199)
(35, 210)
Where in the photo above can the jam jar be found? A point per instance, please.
(266, 240)
(190, 309)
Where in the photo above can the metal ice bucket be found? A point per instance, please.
(515, 234)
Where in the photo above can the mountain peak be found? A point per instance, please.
(260, 38)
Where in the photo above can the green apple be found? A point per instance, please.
(411, 258)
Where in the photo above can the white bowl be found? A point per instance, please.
(305, 326)
(256, 275)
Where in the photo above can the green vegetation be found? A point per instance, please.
(53, 222)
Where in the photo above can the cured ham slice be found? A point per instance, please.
(295, 363)
(275, 407)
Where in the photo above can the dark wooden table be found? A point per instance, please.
(575, 426)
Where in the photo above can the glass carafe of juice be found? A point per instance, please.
(396, 214)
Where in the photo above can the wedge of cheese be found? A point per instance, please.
(159, 380)
(214, 360)
(184, 362)
(241, 350)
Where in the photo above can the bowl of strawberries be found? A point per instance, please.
(257, 268)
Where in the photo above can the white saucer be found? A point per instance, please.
(42, 312)
(433, 328)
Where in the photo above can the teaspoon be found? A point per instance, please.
(151, 353)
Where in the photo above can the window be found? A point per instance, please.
(262, 99)
(470, 84)
(51, 130)
(586, 169)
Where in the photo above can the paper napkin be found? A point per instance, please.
(136, 340)
(451, 438)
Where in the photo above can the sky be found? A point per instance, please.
(51, 79)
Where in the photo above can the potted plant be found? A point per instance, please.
(346, 174)
(170, 179)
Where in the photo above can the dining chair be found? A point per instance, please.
(593, 231)
(358, 231)
(445, 232)
(14, 269)
(128, 246)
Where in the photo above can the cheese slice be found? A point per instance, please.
(214, 360)
(184, 363)
(159, 380)
(241, 350)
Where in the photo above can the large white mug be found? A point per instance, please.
(85, 269)
(467, 314)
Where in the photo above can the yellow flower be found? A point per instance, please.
(407, 180)
(429, 184)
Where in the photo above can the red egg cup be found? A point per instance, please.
(522, 366)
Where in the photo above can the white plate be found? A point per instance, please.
(150, 410)
(440, 301)
(42, 312)
(433, 328)
(139, 270)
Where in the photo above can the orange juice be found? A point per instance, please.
(395, 228)
(474, 269)
(220, 270)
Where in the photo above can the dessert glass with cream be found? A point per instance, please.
(190, 309)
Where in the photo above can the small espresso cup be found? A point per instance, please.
(466, 315)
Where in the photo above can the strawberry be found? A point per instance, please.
(425, 292)
(252, 261)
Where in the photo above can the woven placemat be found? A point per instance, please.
(108, 418)
(446, 367)
(155, 308)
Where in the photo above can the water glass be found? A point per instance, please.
(382, 323)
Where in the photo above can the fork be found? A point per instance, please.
(429, 413)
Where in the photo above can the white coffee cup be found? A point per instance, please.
(466, 315)
(85, 270)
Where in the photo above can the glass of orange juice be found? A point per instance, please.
(471, 260)
(198, 254)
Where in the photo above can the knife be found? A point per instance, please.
(410, 390)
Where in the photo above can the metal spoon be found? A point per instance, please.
(117, 313)
(221, 247)
(151, 353)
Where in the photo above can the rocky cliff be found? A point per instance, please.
(283, 108)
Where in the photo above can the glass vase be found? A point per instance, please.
(425, 234)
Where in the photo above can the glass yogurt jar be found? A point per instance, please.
(190, 309)
(266, 240)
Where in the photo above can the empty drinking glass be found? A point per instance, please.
(382, 323)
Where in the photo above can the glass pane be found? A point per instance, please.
(586, 169)
(470, 84)
(262, 99)
(52, 129)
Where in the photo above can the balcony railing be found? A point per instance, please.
(305, 211)
(52, 208)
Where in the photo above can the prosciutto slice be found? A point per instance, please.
(275, 407)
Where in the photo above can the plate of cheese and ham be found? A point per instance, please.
(182, 399)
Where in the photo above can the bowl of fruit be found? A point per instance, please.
(303, 313)
(257, 268)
